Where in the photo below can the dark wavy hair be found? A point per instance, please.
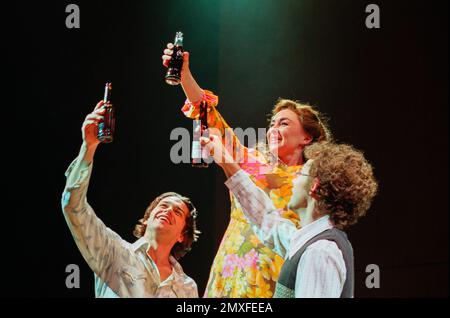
(346, 182)
(191, 233)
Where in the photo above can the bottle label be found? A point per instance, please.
(196, 153)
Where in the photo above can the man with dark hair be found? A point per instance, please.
(333, 190)
(146, 268)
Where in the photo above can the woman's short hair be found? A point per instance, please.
(313, 122)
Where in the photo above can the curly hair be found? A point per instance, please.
(346, 182)
(191, 233)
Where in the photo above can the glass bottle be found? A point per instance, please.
(107, 125)
(200, 130)
(173, 75)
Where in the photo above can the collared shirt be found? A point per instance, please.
(321, 271)
(121, 269)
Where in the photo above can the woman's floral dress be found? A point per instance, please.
(243, 266)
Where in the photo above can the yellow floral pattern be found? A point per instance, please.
(243, 266)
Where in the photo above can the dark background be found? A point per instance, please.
(384, 90)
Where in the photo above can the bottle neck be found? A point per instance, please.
(178, 39)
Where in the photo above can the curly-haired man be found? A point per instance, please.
(146, 268)
(333, 190)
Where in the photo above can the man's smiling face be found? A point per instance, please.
(168, 218)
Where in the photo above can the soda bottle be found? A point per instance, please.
(200, 130)
(107, 125)
(173, 75)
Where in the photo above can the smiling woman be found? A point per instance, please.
(292, 127)
(244, 266)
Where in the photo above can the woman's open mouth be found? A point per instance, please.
(275, 140)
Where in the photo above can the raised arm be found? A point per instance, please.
(99, 245)
(216, 123)
(272, 229)
(191, 89)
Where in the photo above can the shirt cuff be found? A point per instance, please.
(238, 181)
(190, 109)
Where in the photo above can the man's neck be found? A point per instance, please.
(160, 255)
(308, 215)
(158, 252)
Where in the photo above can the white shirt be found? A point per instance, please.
(321, 271)
(121, 269)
